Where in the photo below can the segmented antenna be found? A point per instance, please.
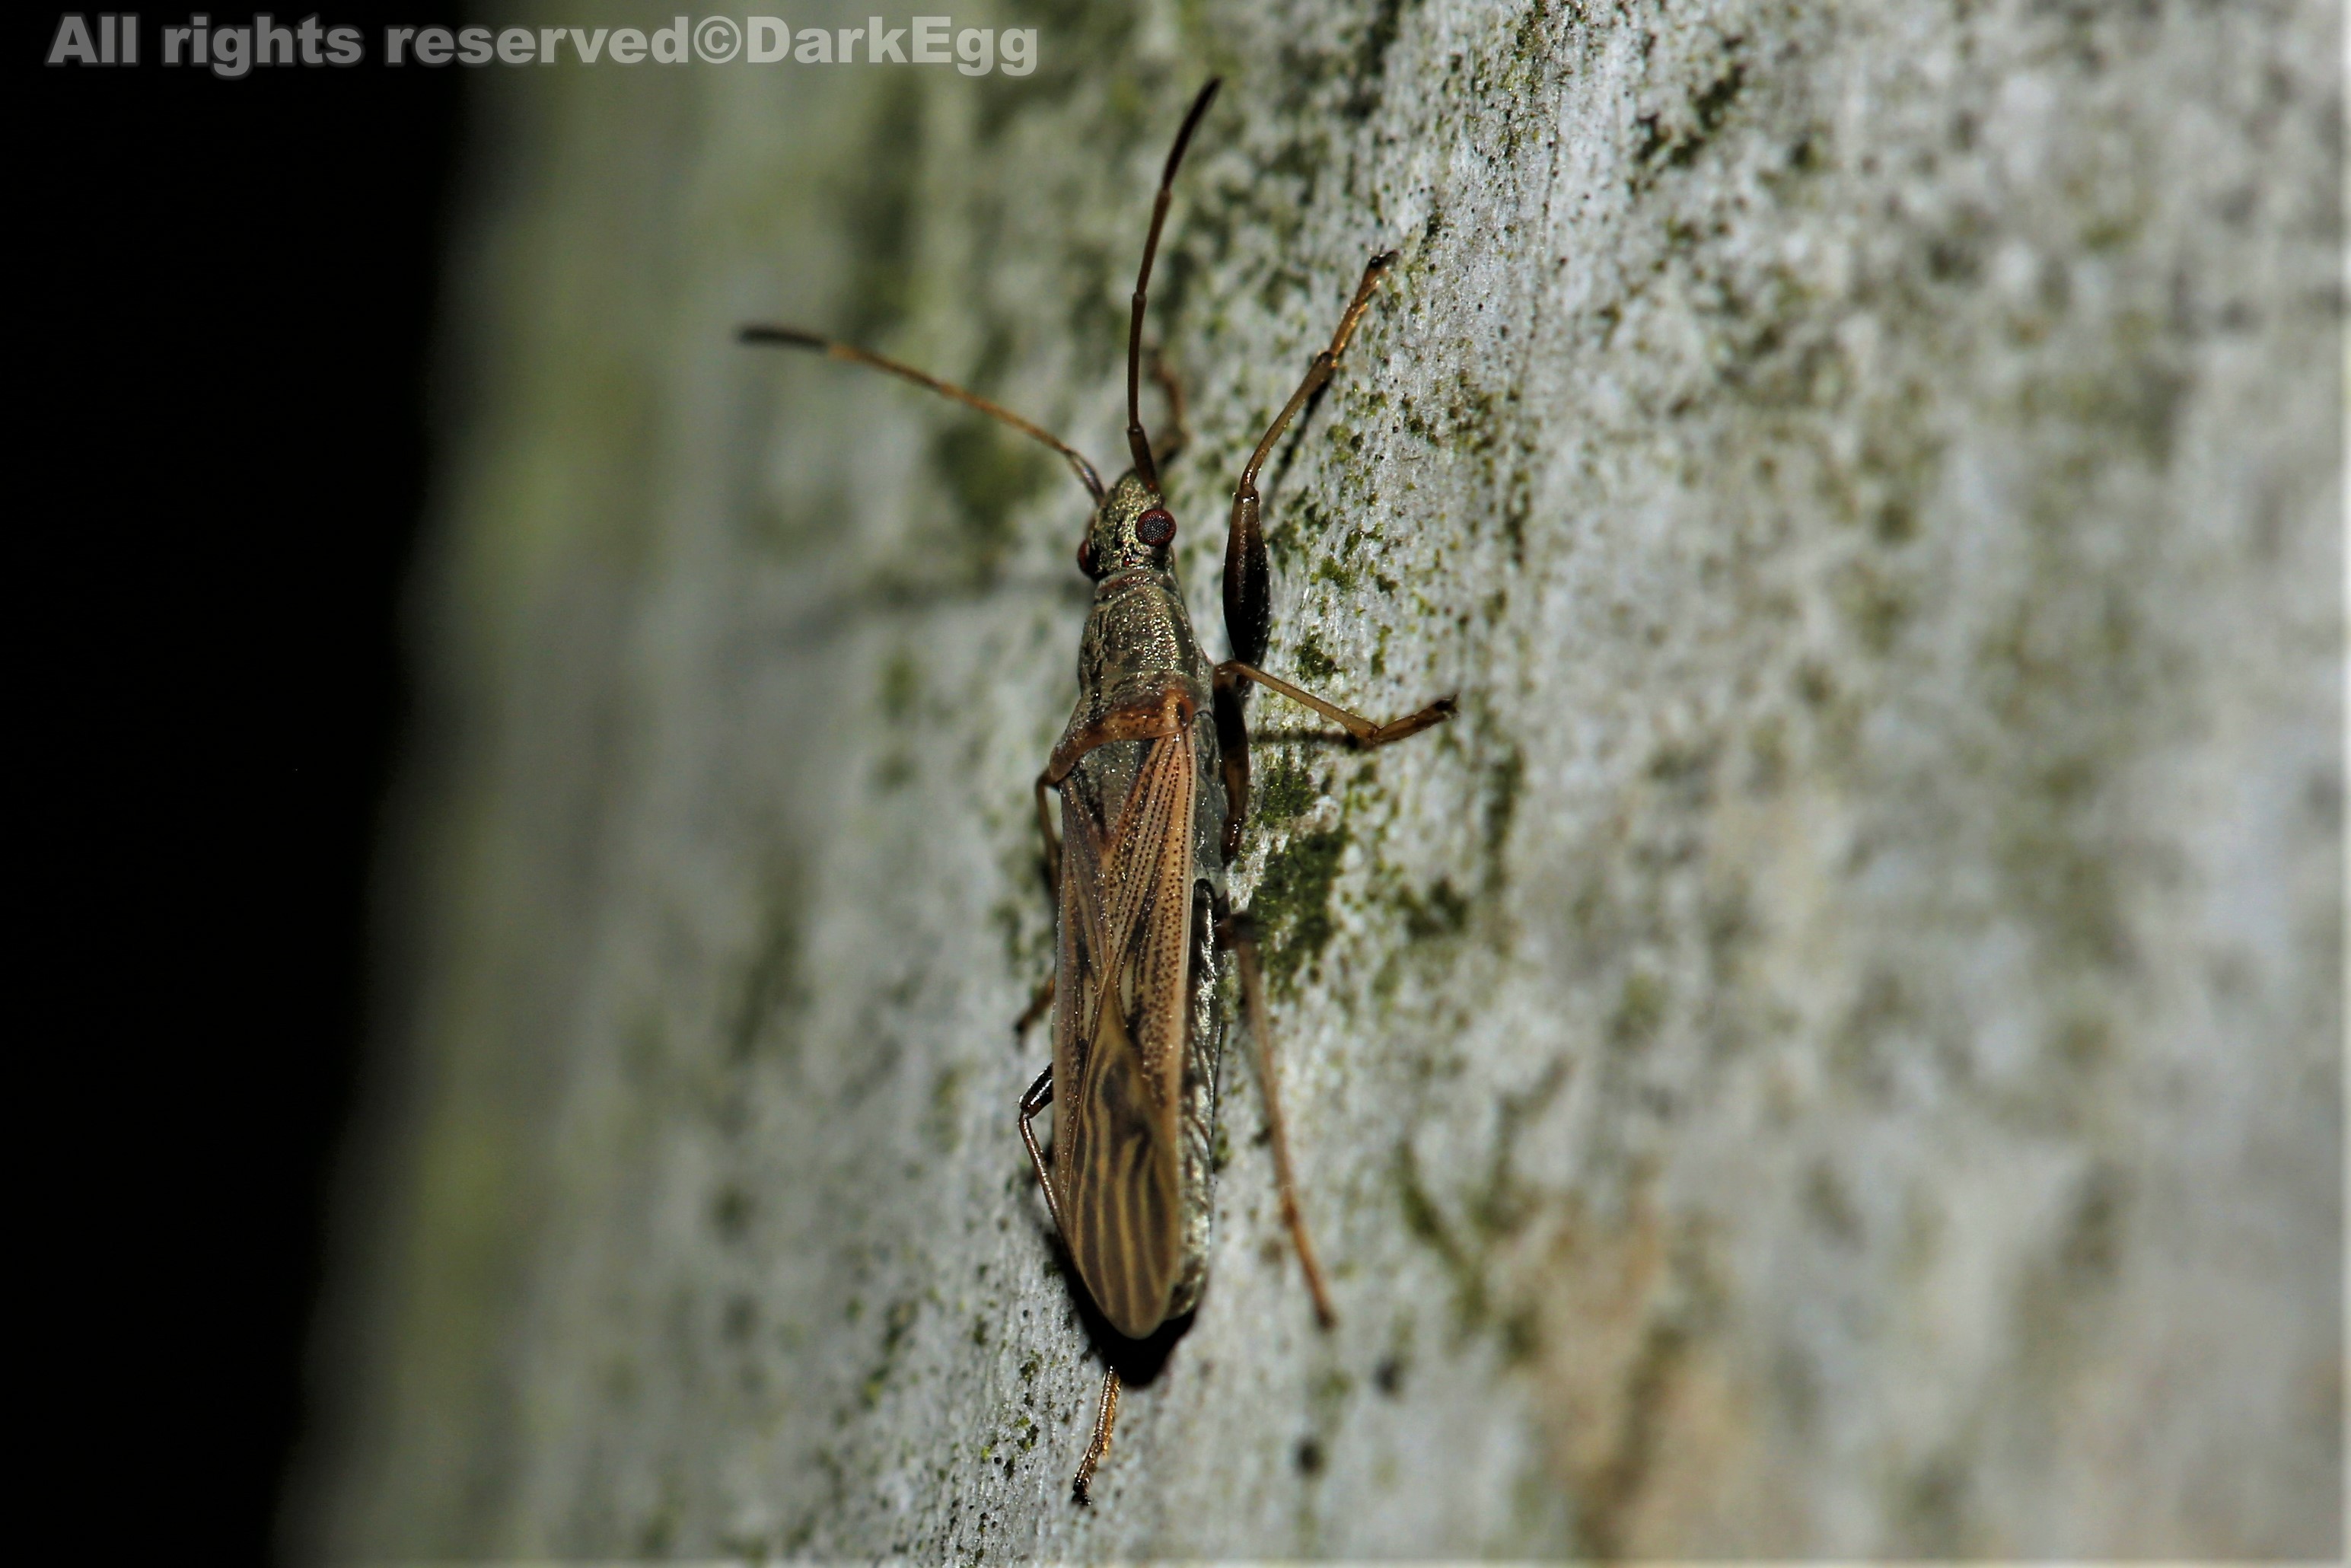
(1137, 442)
(793, 338)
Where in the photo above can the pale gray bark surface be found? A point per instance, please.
(1837, 1050)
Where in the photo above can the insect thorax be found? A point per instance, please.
(1138, 645)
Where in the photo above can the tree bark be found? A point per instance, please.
(1836, 1051)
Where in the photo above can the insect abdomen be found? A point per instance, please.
(1124, 1219)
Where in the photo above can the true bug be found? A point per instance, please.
(1152, 770)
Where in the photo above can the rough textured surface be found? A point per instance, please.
(1836, 1052)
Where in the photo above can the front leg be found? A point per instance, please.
(1249, 598)
(1248, 589)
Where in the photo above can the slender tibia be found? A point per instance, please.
(1038, 1000)
(1040, 1095)
(1361, 730)
(1323, 364)
(1052, 839)
(1105, 1416)
(1249, 599)
(1241, 934)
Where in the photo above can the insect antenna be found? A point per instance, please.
(793, 338)
(1137, 442)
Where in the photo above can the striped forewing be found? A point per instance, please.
(1119, 1036)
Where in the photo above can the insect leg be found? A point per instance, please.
(1233, 748)
(1041, 998)
(1232, 682)
(1040, 1095)
(1106, 1416)
(1249, 599)
(1361, 730)
(1239, 932)
(1052, 839)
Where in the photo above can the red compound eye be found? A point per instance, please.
(1086, 555)
(1154, 527)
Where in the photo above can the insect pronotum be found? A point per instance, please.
(1153, 772)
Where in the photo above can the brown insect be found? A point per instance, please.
(1153, 772)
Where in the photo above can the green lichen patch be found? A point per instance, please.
(943, 1121)
(989, 473)
(1505, 778)
(1640, 1012)
(1285, 790)
(1311, 662)
(901, 685)
(897, 1323)
(731, 1211)
(1441, 912)
(1876, 607)
(1426, 1223)
(772, 983)
(1370, 64)
(1292, 903)
(1337, 572)
(878, 213)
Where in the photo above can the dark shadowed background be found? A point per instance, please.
(226, 403)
